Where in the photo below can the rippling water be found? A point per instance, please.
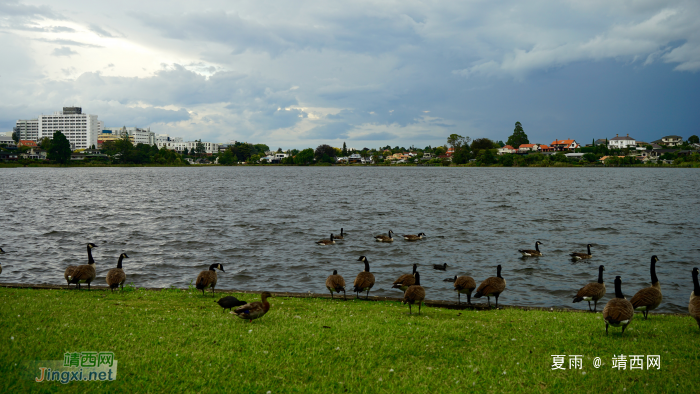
(261, 224)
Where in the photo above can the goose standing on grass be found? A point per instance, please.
(592, 291)
(364, 280)
(341, 236)
(326, 241)
(406, 280)
(82, 273)
(70, 270)
(385, 238)
(465, 285)
(336, 283)
(650, 297)
(492, 286)
(254, 310)
(229, 302)
(208, 278)
(440, 267)
(116, 276)
(450, 279)
(694, 303)
(582, 256)
(618, 311)
(532, 253)
(415, 293)
(411, 237)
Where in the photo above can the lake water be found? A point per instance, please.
(261, 224)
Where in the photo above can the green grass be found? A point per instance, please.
(179, 341)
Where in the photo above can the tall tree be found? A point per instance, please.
(344, 152)
(519, 137)
(482, 143)
(15, 134)
(200, 148)
(456, 141)
(693, 139)
(59, 151)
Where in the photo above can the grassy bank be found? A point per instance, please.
(180, 341)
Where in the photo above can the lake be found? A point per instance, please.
(261, 223)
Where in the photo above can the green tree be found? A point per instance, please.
(306, 156)
(326, 150)
(45, 143)
(518, 137)
(60, 148)
(200, 148)
(456, 141)
(124, 148)
(693, 139)
(344, 152)
(227, 158)
(261, 149)
(590, 158)
(482, 143)
(15, 135)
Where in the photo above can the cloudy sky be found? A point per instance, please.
(371, 73)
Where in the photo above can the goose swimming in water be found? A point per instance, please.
(385, 238)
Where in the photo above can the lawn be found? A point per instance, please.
(180, 341)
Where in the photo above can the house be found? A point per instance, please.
(622, 142)
(545, 148)
(29, 143)
(6, 155)
(5, 140)
(562, 145)
(671, 140)
(34, 154)
(528, 148)
(355, 158)
(505, 150)
(428, 156)
(450, 152)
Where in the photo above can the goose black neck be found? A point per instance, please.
(366, 265)
(335, 272)
(600, 274)
(417, 279)
(498, 272)
(589, 249)
(414, 269)
(652, 269)
(119, 263)
(696, 284)
(331, 238)
(618, 289)
(341, 231)
(211, 267)
(537, 246)
(90, 259)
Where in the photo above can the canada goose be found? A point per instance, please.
(450, 279)
(415, 293)
(208, 278)
(440, 267)
(82, 273)
(618, 311)
(116, 276)
(70, 270)
(592, 291)
(229, 302)
(650, 297)
(326, 241)
(364, 280)
(492, 286)
(254, 310)
(341, 236)
(694, 303)
(581, 256)
(532, 253)
(406, 280)
(336, 283)
(465, 284)
(385, 238)
(410, 237)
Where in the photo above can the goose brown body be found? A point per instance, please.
(324, 242)
(618, 312)
(464, 285)
(648, 298)
(254, 310)
(440, 267)
(411, 237)
(694, 302)
(364, 280)
(405, 280)
(116, 276)
(208, 278)
(414, 294)
(582, 256)
(71, 270)
(82, 273)
(532, 253)
(335, 283)
(385, 238)
(593, 291)
(492, 287)
(341, 236)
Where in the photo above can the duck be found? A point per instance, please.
(83, 273)
(405, 280)
(618, 312)
(70, 270)
(440, 267)
(492, 286)
(326, 241)
(593, 291)
(385, 238)
(532, 253)
(694, 303)
(364, 280)
(116, 276)
(411, 237)
(336, 283)
(208, 278)
(341, 236)
(450, 279)
(254, 310)
(582, 256)
(465, 285)
(649, 298)
(229, 302)
(415, 293)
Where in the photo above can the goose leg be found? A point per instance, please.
(589, 306)
(459, 299)
(212, 291)
(331, 294)
(469, 298)
(595, 306)
(367, 296)
(606, 328)
(419, 304)
(345, 298)
(496, 301)
(623, 329)
(409, 309)
(88, 286)
(489, 300)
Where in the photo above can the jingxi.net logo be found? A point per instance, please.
(84, 366)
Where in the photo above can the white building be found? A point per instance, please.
(80, 129)
(209, 147)
(140, 136)
(28, 129)
(622, 142)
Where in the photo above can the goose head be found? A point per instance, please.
(335, 272)
(123, 256)
(421, 234)
(91, 245)
(362, 258)
(2, 251)
(221, 267)
(654, 259)
(538, 243)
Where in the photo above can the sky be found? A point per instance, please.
(367, 73)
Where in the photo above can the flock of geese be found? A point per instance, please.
(618, 312)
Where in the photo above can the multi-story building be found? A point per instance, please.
(209, 147)
(622, 142)
(136, 135)
(28, 129)
(80, 129)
